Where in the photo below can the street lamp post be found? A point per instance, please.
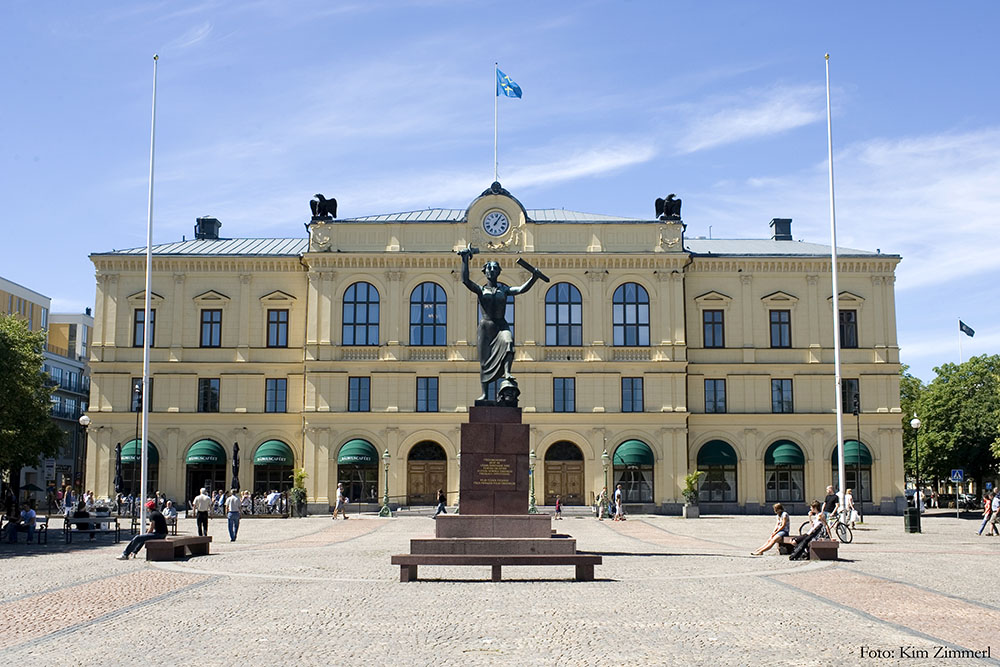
(857, 461)
(84, 422)
(137, 389)
(458, 464)
(531, 475)
(385, 512)
(605, 460)
(915, 424)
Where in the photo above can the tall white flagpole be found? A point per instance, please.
(496, 67)
(836, 296)
(147, 325)
(960, 357)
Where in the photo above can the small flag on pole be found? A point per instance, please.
(507, 86)
(966, 329)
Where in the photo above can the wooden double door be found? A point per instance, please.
(564, 478)
(423, 479)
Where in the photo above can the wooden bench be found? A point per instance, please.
(408, 562)
(41, 530)
(105, 525)
(171, 548)
(819, 548)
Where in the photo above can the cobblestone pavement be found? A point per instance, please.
(670, 591)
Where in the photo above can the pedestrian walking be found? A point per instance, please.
(157, 530)
(995, 519)
(442, 499)
(852, 514)
(341, 502)
(602, 504)
(987, 511)
(202, 505)
(233, 513)
(619, 507)
(558, 507)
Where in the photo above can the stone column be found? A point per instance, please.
(177, 319)
(815, 346)
(391, 311)
(243, 339)
(595, 325)
(748, 306)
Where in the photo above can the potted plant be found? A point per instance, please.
(297, 494)
(691, 482)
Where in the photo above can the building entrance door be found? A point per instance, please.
(426, 472)
(564, 474)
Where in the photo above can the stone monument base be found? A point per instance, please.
(494, 485)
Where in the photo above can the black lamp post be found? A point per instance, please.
(915, 423)
(137, 391)
(857, 461)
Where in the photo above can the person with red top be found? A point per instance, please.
(559, 507)
(157, 531)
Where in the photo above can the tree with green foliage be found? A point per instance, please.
(960, 415)
(27, 432)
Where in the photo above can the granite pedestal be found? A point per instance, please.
(494, 528)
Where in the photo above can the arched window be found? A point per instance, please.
(633, 469)
(563, 315)
(132, 466)
(630, 315)
(428, 315)
(361, 315)
(857, 470)
(273, 464)
(784, 473)
(718, 460)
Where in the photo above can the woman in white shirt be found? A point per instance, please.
(780, 530)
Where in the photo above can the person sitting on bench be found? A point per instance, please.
(819, 529)
(780, 531)
(82, 513)
(157, 531)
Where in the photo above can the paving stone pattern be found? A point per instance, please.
(318, 592)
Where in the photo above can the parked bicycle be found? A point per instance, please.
(838, 524)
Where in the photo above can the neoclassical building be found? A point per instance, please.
(671, 354)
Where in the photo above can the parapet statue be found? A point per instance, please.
(495, 340)
(669, 208)
(323, 207)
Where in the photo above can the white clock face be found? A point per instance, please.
(496, 223)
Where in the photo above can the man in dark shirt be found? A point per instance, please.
(830, 502)
(157, 531)
(82, 513)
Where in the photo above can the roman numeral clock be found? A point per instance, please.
(495, 223)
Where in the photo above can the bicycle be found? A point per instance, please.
(838, 524)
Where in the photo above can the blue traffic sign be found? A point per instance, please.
(957, 475)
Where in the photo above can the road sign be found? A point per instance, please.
(957, 475)
(989, 485)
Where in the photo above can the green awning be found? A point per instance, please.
(716, 453)
(784, 453)
(131, 451)
(357, 453)
(273, 453)
(633, 453)
(206, 452)
(852, 450)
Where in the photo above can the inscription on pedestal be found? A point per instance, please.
(494, 471)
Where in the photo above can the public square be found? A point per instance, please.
(670, 591)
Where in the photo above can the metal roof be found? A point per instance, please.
(767, 248)
(244, 247)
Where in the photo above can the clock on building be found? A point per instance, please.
(495, 223)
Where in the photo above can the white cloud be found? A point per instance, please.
(756, 114)
(193, 36)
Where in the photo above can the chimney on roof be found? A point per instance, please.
(781, 229)
(207, 228)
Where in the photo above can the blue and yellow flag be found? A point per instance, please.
(507, 86)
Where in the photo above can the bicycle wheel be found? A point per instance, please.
(845, 533)
(805, 527)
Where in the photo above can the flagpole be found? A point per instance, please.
(960, 357)
(836, 294)
(147, 328)
(496, 95)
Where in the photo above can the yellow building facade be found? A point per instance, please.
(669, 354)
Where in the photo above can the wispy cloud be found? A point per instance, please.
(753, 115)
(191, 37)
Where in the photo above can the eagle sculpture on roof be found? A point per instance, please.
(323, 207)
(669, 208)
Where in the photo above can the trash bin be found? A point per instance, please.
(911, 520)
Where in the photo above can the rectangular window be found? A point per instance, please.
(275, 393)
(277, 328)
(208, 394)
(848, 328)
(491, 390)
(563, 394)
(137, 327)
(712, 323)
(849, 393)
(781, 328)
(359, 394)
(211, 328)
(136, 399)
(632, 395)
(45, 318)
(781, 396)
(715, 396)
(427, 394)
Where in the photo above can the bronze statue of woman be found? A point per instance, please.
(495, 340)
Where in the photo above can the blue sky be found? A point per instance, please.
(388, 106)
